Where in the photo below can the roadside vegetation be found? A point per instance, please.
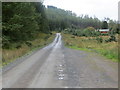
(9, 55)
(29, 25)
(80, 32)
(24, 28)
(93, 44)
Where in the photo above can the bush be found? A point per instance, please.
(72, 36)
(112, 38)
(88, 32)
(5, 42)
(28, 44)
(99, 39)
(18, 46)
(46, 37)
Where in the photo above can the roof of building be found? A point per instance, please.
(104, 29)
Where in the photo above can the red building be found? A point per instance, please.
(104, 31)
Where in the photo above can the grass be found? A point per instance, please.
(90, 44)
(75, 47)
(10, 55)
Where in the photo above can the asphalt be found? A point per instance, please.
(56, 66)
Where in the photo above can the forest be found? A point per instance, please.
(67, 21)
(22, 22)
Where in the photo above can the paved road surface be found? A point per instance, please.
(58, 67)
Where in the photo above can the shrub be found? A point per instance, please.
(72, 36)
(28, 44)
(18, 46)
(99, 39)
(112, 38)
(46, 37)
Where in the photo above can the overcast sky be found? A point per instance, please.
(98, 8)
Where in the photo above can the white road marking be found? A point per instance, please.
(60, 78)
(61, 75)
(60, 70)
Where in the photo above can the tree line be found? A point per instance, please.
(60, 19)
(22, 21)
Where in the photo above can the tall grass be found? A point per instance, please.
(109, 49)
(9, 55)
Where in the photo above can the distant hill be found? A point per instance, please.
(61, 19)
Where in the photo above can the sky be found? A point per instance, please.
(98, 8)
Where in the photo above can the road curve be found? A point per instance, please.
(58, 67)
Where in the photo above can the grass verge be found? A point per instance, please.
(90, 44)
(10, 55)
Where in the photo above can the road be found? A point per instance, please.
(56, 66)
